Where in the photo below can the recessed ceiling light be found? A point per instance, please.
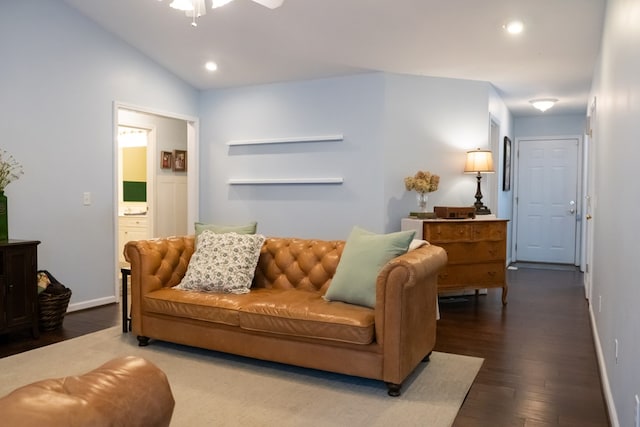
(514, 27)
(211, 66)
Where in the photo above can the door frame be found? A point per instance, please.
(589, 198)
(580, 193)
(193, 203)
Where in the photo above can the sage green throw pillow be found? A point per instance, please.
(249, 228)
(363, 257)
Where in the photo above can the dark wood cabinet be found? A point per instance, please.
(18, 286)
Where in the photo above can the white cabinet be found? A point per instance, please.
(131, 228)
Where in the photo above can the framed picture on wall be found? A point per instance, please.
(506, 179)
(179, 160)
(166, 160)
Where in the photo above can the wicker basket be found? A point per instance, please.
(52, 307)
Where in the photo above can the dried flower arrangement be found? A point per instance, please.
(422, 182)
(10, 169)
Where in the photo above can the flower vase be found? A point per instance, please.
(4, 221)
(422, 201)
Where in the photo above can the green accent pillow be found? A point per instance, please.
(363, 257)
(249, 228)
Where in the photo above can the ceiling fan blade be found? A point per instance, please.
(271, 4)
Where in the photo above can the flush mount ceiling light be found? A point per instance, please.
(196, 8)
(211, 66)
(543, 104)
(514, 27)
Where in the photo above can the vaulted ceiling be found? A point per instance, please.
(553, 57)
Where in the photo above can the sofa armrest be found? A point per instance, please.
(156, 264)
(405, 313)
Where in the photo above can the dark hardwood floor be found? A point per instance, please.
(540, 365)
(74, 325)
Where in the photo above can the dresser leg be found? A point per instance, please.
(505, 290)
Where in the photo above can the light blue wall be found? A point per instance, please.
(393, 125)
(430, 125)
(59, 78)
(616, 151)
(500, 114)
(351, 106)
(550, 125)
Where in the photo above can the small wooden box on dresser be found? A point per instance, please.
(19, 286)
(476, 249)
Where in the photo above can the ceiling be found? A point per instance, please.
(306, 39)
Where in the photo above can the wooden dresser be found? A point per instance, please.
(476, 248)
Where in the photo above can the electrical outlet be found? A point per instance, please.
(615, 344)
(636, 417)
(86, 198)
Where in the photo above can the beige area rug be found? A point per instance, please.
(216, 389)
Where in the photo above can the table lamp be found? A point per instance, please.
(479, 161)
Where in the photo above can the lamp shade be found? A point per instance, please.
(479, 161)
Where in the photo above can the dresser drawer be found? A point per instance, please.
(475, 252)
(472, 276)
(447, 232)
(468, 231)
(489, 231)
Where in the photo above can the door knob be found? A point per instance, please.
(572, 209)
(589, 216)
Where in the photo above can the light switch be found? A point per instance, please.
(86, 197)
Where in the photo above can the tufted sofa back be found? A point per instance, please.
(287, 263)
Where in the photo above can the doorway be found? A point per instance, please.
(135, 185)
(164, 199)
(547, 201)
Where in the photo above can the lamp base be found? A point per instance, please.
(483, 211)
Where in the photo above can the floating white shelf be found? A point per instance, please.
(263, 181)
(323, 138)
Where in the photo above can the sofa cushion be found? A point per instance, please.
(306, 314)
(207, 306)
(223, 263)
(287, 312)
(363, 257)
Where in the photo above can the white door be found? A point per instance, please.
(547, 200)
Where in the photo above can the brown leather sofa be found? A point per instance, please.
(284, 318)
(126, 391)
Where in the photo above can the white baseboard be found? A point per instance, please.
(91, 303)
(606, 388)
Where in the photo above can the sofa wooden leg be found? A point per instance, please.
(427, 357)
(143, 341)
(393, 389)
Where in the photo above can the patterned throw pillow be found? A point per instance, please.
(223, 263)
